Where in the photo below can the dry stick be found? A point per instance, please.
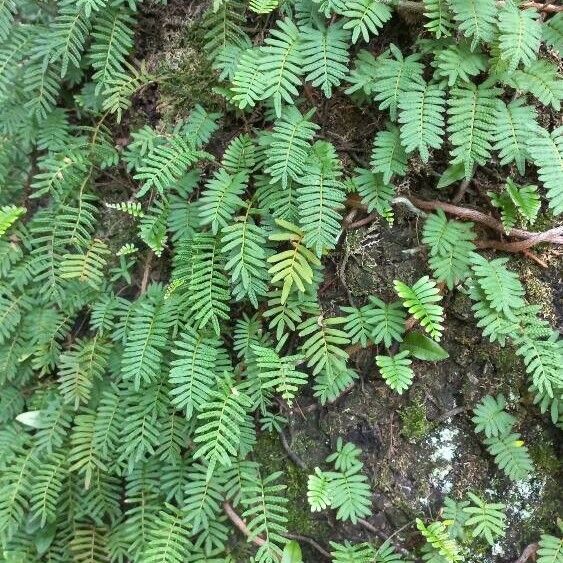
(290, 453)
(258, 540)
(146, 273)
(528, 553)
(520, 246)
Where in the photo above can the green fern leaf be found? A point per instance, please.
(520, 36)
(491, 418)
(458, 62)
(376, 194)
(486, 519)
(553, 33)
(476, 19)
(388, 155)
(249, 83)
(365, 17)
(511, 455)
(550, 549)
(396, 371)
(439, 18)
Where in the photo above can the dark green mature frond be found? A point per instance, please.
(520, 36)
(393, 77)
(476, 19)
(291, 141)
(192, 376)
(421, 118)
(47, 488)
(439, 17)
(325, 56)
(320, 198)
(282, 64)
(249, 83)
(451, 247)
(471, 121)
(365, 17)
(514, 124)
(221, 199)
(388, 155)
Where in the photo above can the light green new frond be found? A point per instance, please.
(263, 6)
(293, 266)
(520, 36)
(421, 118)
(318, 491)
(152, 227)
(165, 164)
(9, 214)
(396, 371)
(249, 83)
(541, 79)
(491, 418)
(365, 17)
(291, 142)
(439, 18)
(266, 515)
(207, 293)
(388, 155)
(476, 19)
(132, 208)
(502, 287)
(192, 376)
(387, 320)
(218, 434)
(511, 455)
(81, 368)
(376, 194)
(346, 455)
(458, 63)
(47, 488)
(439, 541)
(487, 519)
(220, 199)
(526, 199)
(421, 301)
(550, 549)
(87, 267)
(350, 494)
(515, 123)
(168, 537)
(471, 122)
(282, 64)
(197, 129)
(325, 56)
(320, 198)
(547, 152)
(358, 324)
(393, 77)
(279, 373)
(451, 247)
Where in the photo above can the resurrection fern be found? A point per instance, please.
(177, 285)
(420, 301)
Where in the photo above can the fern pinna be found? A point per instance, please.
(167, 263)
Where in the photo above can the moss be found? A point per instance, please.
(544, 457)
(415, 424)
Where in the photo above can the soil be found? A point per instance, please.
(413, 453)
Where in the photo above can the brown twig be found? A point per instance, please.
(362, 222)
(529, 551)
(535, 258)
(450, 413)
(461, 191)
(290, 453)
(240, 524)
(411, 6)
(553, 236)
(310, 541)
(146, 273)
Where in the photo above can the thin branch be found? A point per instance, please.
(553, 236)
(290, 453)
(528, 553)
(310, 541)
(239, 523)
(146, 273)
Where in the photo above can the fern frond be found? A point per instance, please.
(475, 19)
(47, 488)
(486, 519)
(553, 33)
(520, 36)
(350, 494)
(318, 494)
(352, 553)
(87, 267)
(9, 214)
(325, 56)
(511, 455)
(438, 539)
(550, 549)
(439, 18)
(282, 64)
(420, 301)
(376, 194)
(263, 6)
(491, 418)
(547, 151)
(365, 17)
(421, 118)
(249, 83)
(458, 62)
(514, 124)
(291, 141)
(470, 124)
(396, 371)
(388, 155)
